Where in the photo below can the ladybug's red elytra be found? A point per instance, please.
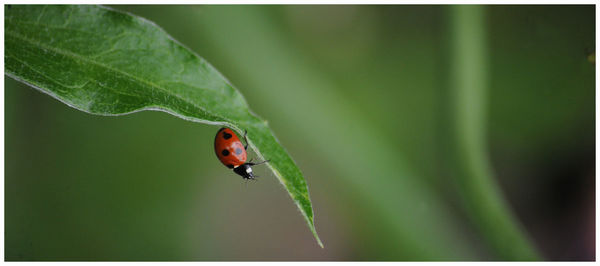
(232, 153)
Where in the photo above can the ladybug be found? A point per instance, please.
(232, 153)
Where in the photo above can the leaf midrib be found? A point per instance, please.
(118, 71)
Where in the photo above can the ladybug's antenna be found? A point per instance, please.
(251, 163)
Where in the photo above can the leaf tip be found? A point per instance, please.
(314, 231)
(319, 242)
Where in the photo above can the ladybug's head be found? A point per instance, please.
(245, 171)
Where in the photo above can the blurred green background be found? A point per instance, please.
(358, 95)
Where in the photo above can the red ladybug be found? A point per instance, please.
(232, 153)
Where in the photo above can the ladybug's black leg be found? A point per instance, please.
(251, 163)
(245, 140)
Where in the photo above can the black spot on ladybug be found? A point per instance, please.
(230, 166)
(238, 151)
(226, 135)
(225, 152)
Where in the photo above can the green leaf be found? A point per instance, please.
(106, 62)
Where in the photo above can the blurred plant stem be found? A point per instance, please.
(468, 78)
